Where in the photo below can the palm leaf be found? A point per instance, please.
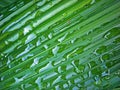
(59, 44)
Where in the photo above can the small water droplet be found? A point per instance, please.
(26, 56)
(58, 79)
(38, 42)
(106, 73)
(50, 36)
(41, 3)
(6, 42)
(48, 66)
(62, 38)
(18, 80)
(27, 29)
(75, 88)
(14, 37)
(55, 50)
(65, 85)
(2, 78)
(46, 46)
(38, 82)
(93, 1)
(30, 38)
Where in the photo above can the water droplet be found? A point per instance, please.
(36, 61)
(71, 74)
(48, 66)
(97, 80)
(8, 62)
(75, 88)
(27, 29)
(27, 49)
(65, 85)
(58, 79)
(48, 76)
(45, 46)
(2, 78)
(73, 40)
(14, 37)
(38, 42)
(43, 38)
(50, 36)
(30, 38)
(93, 1)
(18, 80)
(62, 38)
(26, 56)
(77, 80)
(106, 73)
(6, 42)
(55, 50)
(41, 3)
(38, 82)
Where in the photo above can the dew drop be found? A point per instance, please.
(62, 38)
(36, 61)
(18, 80)
(75, 88)
(45, 46)
(41, 3)
(6, 42)
(38, 43)
(55, 50)
(93, 1)
(2, 78)
(38, 82)
(26, 56)
(58, 79)
(65, 85)
(27, 29)
(48, 66)
(50, 36)
(30, 38)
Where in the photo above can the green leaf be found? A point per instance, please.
(59, 45)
